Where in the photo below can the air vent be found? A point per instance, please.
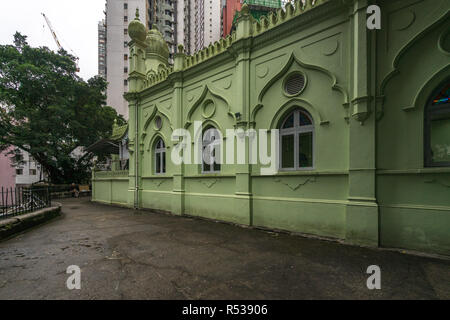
(295, 84)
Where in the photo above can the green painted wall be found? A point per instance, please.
(411, 64)
(366, 91)
(110, 187)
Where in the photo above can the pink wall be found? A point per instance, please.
(7, 173)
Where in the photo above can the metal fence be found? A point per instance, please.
(113, 165)
(20, 200)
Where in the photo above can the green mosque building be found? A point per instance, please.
(363, 118)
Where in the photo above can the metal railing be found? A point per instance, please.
(113, 165)
(20, 200)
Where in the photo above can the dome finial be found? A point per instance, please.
(137, 14)
(136, 29)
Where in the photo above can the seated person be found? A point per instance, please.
(75, 190)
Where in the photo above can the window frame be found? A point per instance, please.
(296, 130)
(217, 141)
(429, 114)
(162, 151)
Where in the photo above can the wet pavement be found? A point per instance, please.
(125, 254)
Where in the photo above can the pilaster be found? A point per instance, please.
(362, 223)
(132, 148)
(178, 190)
(242, 51)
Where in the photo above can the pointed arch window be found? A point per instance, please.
(437, 128)
(297, 141)
(211, 145)
(160, 156)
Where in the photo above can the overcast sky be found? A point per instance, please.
(75, 23)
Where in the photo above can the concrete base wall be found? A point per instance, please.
(11, 226)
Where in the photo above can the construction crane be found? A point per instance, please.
(49, 24)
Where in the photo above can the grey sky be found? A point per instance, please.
(75, 23)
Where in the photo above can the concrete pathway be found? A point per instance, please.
(143, 255)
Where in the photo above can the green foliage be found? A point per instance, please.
(48, 111)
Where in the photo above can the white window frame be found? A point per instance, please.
(296, 130)
(217, 145)
(162, 152)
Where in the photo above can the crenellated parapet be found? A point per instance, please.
(149, 52)
(212, 50)
(280, 16)
(155, 78)
(273, 20)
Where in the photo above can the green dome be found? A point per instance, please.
(136, 29)
(156, 43)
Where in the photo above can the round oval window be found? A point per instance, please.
(158, 122)
(294, 84)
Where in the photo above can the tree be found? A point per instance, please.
(50, 112)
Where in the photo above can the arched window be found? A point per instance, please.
(160, 156)
(437, 128)
(297, 141)
(211, 145)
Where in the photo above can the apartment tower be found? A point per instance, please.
(118, 15)
(198, 23)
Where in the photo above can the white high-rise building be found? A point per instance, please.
(198, 23)
(119, 13)
(212, 22)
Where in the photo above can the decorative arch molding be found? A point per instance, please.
(395, 63)
(209, 93)
(297, 103)
(153, 139)
(209, 123)
(150, 117)
(293, 59)
(442, 44)
(423, 95)
(153, 113)
(149, 74)
(256, 109)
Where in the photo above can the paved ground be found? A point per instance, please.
(142, 255)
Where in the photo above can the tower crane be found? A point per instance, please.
(49, 24)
